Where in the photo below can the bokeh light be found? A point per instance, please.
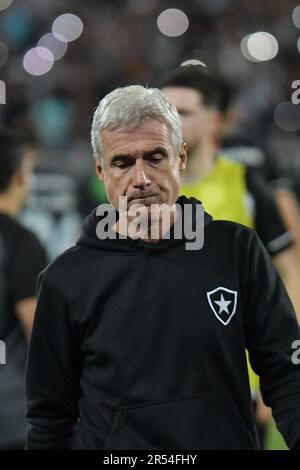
(5, 4)
(287, 116)
(260, 46)
(67, 27)
(296, 16)
(172, 22)
(56, 46)
(192, 62)
(245, 50)
(38, 61)
(3, 53)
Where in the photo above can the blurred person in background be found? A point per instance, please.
(21, 260)
(51, 210)
(229, 190)
(260, 160)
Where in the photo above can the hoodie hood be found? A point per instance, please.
(114, 242)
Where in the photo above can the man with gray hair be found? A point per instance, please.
(138, 342)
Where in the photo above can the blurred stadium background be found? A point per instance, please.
(59, 58)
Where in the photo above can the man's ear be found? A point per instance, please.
(99, 168)
(183, 157)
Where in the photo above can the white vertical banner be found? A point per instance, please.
(2, 353)
(2, 92)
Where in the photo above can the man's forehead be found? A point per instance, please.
(138, 138)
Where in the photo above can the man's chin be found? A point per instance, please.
(145, 201)
(140, 209)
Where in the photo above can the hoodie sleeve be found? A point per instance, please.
(272, 333)
(52, 373)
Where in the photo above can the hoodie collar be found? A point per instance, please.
(89, 236)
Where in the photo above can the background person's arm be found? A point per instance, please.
(25, 312)
(290, 213)
(275, 235)
(286, 263)
(28, 260)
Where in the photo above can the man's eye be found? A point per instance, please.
(121, 164)
(155, 158)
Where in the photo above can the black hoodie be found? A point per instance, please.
(139, 346)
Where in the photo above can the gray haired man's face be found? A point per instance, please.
(142, 164)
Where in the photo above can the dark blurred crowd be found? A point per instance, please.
(121, 44)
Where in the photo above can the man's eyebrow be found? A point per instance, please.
(127, 156)
(120, 157)
(161, 150)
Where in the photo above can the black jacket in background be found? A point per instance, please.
(22, 258)
(125, 340)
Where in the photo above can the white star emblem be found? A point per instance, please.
(223, 307)
(223, 304)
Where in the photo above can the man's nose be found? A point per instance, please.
(140, 177)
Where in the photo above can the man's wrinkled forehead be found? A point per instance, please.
(137, 138)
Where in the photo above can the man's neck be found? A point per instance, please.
(200, 162)
(9, 205)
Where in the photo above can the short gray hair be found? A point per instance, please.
(133, 106)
